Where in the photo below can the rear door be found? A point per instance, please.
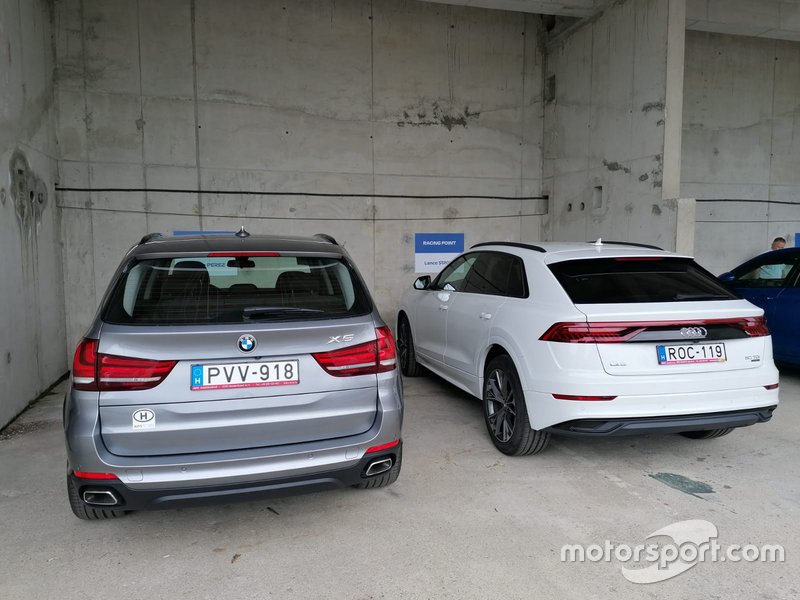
(242, 333)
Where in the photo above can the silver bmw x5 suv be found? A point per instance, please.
(225, 367)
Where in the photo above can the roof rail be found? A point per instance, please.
(512, 244)
(326, 238)
(635, 244)
(150, 237)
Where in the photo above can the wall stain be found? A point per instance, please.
(644, 177)
(450, 213)
(652, 106)
(432, 113)
(657, 172)
(656, 209)
(615, 166)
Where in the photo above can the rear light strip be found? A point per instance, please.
(623, 331)
(381, 447)
(369, 358)
(772, 386)
(89, 475)
(241, 254)
(96, 372)
(583, 398)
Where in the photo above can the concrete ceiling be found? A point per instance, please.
(777, 19)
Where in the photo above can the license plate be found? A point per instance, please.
(243, 375)
(688, 354)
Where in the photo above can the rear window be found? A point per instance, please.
(622, 280)
(179, 291)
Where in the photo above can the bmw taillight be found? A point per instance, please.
(369, 358)
(84, 366)
(92, 371)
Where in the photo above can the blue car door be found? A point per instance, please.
(785, 322)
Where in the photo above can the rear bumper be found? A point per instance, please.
(130, 498)
(673, 424)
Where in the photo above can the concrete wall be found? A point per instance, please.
(612, 125)
(31, 291)
(345, 97)
(741, 145)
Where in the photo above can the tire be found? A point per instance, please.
(706, 434)
(384, 479)
(86, 512)
(506, 413)
(406, 354)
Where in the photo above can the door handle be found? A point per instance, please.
(486, 316)
(443, 307)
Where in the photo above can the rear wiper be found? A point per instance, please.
(252, 312)
(702, 297)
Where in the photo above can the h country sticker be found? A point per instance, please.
(143, 418)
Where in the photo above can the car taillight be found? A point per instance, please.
(592, 333)
(84, 365)
(753, 326)
(117, 373)
(369, 358)
(92, 371)
(617, 332)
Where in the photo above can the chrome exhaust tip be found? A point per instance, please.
(378, 466)
(100, 497)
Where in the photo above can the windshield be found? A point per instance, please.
(188, 290)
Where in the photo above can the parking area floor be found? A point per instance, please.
(462, 521)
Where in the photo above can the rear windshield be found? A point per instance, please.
(621, 280)
(178, 291)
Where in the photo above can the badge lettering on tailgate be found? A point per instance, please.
(347, 337)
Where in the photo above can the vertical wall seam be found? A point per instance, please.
(193, 18)
(87, 119)
(141, 114)
(372, 128)
(772, 131)
(523, 119)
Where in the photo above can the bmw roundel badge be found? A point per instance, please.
(247, 343)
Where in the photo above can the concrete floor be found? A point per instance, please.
(463, 521)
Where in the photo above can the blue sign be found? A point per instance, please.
(434, 251)
(438, 242)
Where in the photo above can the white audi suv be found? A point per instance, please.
(590, 339)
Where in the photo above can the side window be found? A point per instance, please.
(771, 273)
(454, 276)
(497, 274)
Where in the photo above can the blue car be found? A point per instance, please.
(772, 281)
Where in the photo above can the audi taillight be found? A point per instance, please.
(92, 371)
(369, 358)
(592, 333)
(624, 331)
(753, 326)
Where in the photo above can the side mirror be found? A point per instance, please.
(422, 283)
(727, 277)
